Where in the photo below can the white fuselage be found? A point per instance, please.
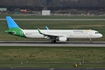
(63, 33)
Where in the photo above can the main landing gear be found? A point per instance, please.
(53, 41)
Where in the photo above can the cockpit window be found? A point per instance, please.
(96, 32)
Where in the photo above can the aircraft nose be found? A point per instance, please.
(100, 35)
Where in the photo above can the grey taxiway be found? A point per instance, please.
(48, 44)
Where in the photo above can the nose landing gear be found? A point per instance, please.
(91, 40)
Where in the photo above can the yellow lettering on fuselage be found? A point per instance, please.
(85, 30)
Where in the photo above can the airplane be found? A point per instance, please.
(54, 35)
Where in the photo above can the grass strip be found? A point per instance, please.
(62, 57)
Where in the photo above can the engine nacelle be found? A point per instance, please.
(62, 39)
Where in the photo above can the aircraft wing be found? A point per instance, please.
(49, 35)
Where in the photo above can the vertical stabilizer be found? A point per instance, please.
(11, 23)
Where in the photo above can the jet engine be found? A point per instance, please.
(62, 39)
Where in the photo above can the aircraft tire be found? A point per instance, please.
(53, 41)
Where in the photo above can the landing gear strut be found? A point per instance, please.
(53, 41)
(91, 40)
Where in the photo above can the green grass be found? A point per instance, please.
(52, 57)
(58, 24)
